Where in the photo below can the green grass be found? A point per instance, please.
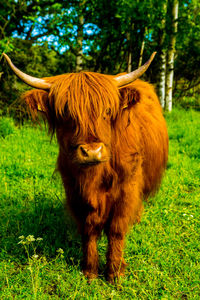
(163, 251)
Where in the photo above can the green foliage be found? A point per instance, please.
(6, 45)
(192, 101)
(43, 38)
(162, 251)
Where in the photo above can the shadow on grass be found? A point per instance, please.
(41, 218)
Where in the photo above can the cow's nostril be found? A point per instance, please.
(84, 152)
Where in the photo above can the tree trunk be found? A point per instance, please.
(162, 73)
(142, 48)
(79, 56)
(129, 67)
(170, 56)
(130, 42)
(162, 55)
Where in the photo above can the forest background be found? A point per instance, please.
(46, 38)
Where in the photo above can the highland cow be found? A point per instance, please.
(113, 148)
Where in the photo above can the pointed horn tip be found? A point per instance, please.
(153, 54)
(6, 56)
(9, 61)
(151, 58)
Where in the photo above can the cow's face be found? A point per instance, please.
(81, 108)
(84, 124)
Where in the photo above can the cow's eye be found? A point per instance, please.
(108, 111)
(107, 114)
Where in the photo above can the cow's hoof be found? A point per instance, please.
(110, 278)
(114, 277)
(90, 275)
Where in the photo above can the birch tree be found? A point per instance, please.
(170, 56)
(162, 54)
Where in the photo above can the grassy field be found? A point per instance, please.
(40, 251)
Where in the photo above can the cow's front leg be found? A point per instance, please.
(115, 262)
(90, 256)
(125, 212)
(90, 234)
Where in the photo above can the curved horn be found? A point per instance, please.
(130, 77)
(32, 81)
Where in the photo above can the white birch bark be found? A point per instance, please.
(162, 55)
(170, 56)
(161, 84)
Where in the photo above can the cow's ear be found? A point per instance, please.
(129, 96)
(37, 101)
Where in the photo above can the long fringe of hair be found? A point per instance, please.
(82, 96)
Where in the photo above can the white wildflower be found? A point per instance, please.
(21, 237)
(30, 238)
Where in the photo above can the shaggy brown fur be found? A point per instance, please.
(88, 109)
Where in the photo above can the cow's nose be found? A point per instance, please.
(91, 153)
(84, 151)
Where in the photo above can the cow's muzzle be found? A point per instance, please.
(91, 154)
